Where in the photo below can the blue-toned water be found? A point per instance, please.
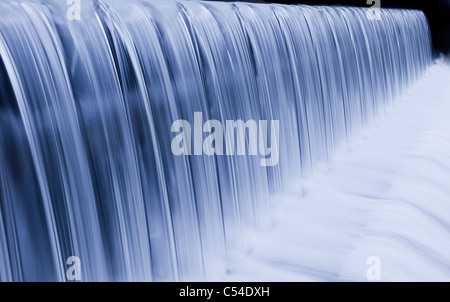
(86, 108)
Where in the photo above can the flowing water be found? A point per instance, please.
(86, 108)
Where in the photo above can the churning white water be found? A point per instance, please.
(386, 195)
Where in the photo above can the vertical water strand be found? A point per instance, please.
(9, 245)
(272, 94)
(232, 98)
(188, 213)
(350, 79)
(330, 75)
(157, 217)
(7, 53)
(287, 103)
(9, 267)
(106, 117)
(237, 177)
(236, 103)
(205, 201)
(251, 171)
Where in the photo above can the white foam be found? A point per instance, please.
(386, 195)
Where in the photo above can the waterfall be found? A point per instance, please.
(87, 106)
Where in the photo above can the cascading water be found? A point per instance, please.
(86, 108)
